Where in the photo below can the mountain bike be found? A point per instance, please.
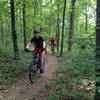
(52, 49)
(35, 66)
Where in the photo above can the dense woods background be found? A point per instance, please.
(74, 23)
(73, 20)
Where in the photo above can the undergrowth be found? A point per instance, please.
(75, 78)
(11, 70)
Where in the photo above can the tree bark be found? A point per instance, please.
(97, 96)
(58, 28)
(2, 30)
(14, 36)
(21, 28)
(35, 7)
(2, 33)
(36, 11)
(86, 18)
(24, 25)
(72, 19)
(63, 25)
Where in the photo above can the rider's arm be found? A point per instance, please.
(50, 42)
(28, 45)
(44, 45)
(55, 41)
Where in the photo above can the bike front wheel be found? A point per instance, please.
(32, 72)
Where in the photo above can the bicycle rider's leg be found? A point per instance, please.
(42, 57)
(54, 47)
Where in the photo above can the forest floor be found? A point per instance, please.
(24, 90)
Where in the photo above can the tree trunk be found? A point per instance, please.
(63, 25)
(58, 28)
(36, 11)
(97, 96)
(21, 28)
(24, 25)
(72, 19)
(2, 34)
(14, 36)
(86, 18)
(2, 30)
(35, 8)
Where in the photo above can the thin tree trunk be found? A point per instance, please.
(58, 28)
(36, 11)
(2, 31)
(21, 29)
(6, 35)
(63, 25)
(41, 8)
(14, 36)
(86, 18)
(2, 34)
(24, 25)
(97, 96)
(35, 8)
(72, 19)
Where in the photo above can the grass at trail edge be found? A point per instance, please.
(11, 70)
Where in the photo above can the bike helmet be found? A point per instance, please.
(36, 31)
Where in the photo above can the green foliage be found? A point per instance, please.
(74, 73)
(53, 96)
(48, 86)
(11, 70)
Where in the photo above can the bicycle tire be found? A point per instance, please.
(32, 72)
(44, 64)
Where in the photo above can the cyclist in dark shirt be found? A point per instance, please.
(40, 45)
(37, 41)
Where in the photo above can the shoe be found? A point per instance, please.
(41, 71)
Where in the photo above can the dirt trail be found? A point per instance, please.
(24, 90)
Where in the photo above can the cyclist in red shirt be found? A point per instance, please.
(53, 41)
(53, 44)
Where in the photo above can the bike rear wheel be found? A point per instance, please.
(32, 72)
(44, 64)
(52, 49)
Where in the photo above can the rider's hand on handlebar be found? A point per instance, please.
(27, 50)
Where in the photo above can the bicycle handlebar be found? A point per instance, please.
(27, 50)
(39, 51)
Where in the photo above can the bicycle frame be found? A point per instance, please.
(36, 60)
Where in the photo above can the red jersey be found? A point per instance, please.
(53, 42)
